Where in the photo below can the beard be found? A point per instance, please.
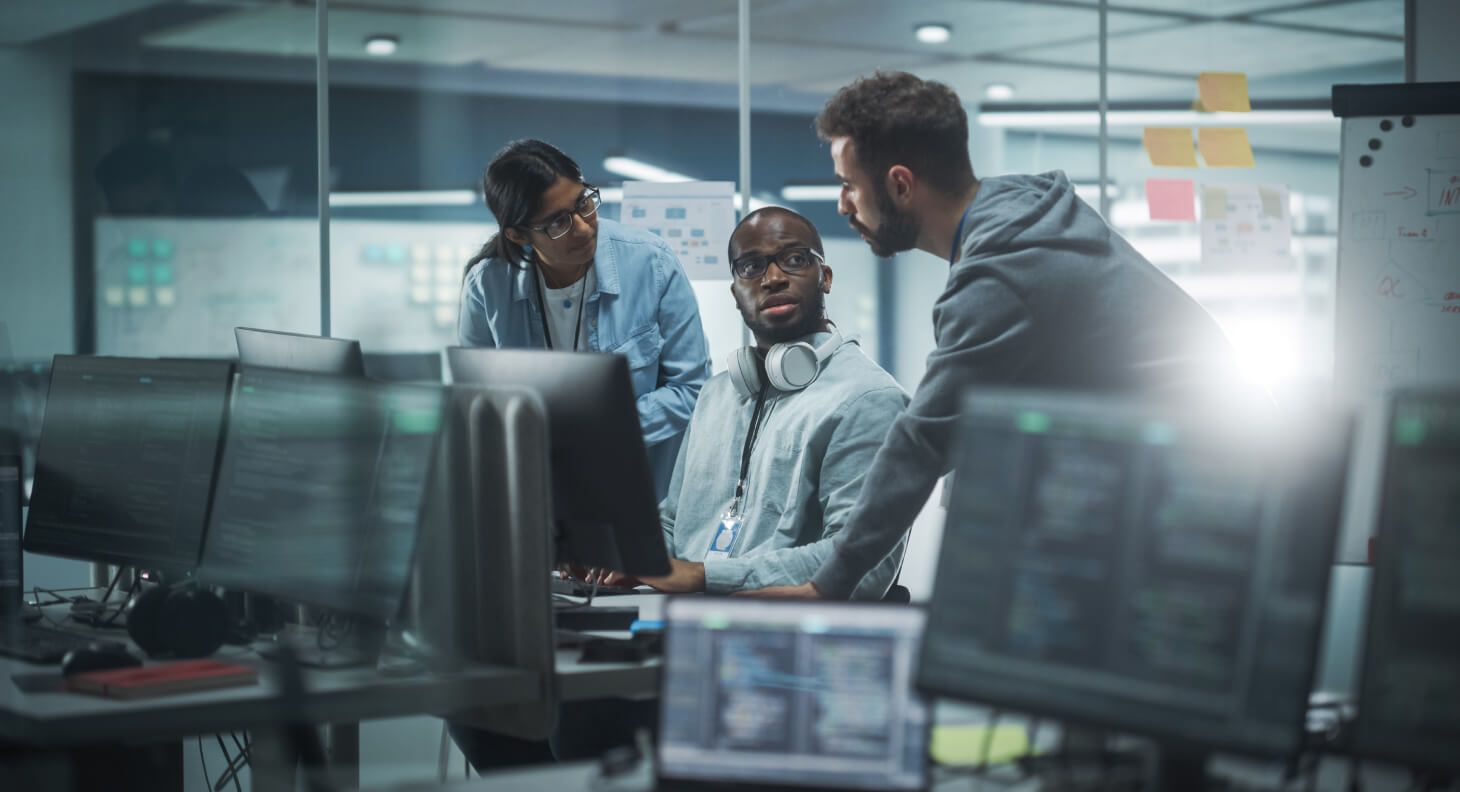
(807, 322)
(897, 232)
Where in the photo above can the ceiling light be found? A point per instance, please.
(933, 32)
(630, 168)
(1140, 118)
(811, 192)
(406, 198)
(999, 92)
(381, 46)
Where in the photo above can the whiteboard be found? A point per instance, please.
(1398, 292)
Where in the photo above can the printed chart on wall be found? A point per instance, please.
(695, 218)
(1245, 225)
(1399, 253)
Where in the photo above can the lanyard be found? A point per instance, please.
(958, 237)
(542, 310)
(750, 435)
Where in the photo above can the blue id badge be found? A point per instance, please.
(725, 535)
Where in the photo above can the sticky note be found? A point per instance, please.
(963, 745)
(1223, 92)
(1170, 147)
(1272, 202)
(1171, 199)
(1213, 203)
(1224, 147)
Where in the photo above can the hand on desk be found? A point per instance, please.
(685, 577)
(599, 575)
(803, 591)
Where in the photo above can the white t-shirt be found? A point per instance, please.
(564, 311)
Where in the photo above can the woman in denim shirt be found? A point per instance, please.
(557, 276)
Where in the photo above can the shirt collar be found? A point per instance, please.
(605, 269)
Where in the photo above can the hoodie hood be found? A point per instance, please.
(1023, 208)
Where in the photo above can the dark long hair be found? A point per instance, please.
(513, 185)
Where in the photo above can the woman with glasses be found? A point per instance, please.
(558, 276)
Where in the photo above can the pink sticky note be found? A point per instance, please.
(1171, 199)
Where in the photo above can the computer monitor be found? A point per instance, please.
(296, 352)
(1139, 568)
(124, 469)
(603, 493)
(818, 694)
(1409, 691)
(319, 490)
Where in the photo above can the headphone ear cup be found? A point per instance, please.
(193, 622)
(744, 373)
(143, 620)
(791, 367)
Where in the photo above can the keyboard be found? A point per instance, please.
(34, 643)
(577, 588)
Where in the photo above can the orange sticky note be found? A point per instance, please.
(1223, 92)
(1170, 147)
(1171, 199)
(1224, 147)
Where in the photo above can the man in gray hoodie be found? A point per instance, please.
(1041, 293)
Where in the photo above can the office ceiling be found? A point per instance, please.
(801, 50)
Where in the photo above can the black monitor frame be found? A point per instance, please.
(1318, 491)
(299, 352)
(604, 506)
(1369, 741)
(12, 492)
(38, 537)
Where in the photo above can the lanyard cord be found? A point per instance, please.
(542, 310)
(750, 435)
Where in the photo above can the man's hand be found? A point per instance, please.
(685, 577)
(803, 591)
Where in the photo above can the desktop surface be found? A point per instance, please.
(1409, 694)
(319, 490)
(801, 694)
(1144, 570)
(124, 470)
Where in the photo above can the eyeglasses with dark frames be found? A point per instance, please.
(561, 223)
(791, 261)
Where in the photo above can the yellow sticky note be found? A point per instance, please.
(963, 745)
(1213, 203)
(1223, 147)
(1170, 147)
(1223, 92)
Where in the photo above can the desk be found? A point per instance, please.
(578, 681)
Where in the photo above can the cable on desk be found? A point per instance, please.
(112, 619)
(231, 772)
(207, 779)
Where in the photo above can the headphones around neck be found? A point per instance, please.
(789, 367)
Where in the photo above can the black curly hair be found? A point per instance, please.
(896, 118)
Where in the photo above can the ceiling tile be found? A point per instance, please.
(1367, 16)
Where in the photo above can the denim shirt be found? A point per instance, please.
(641, 307)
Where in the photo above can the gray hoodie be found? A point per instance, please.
(1043, 295)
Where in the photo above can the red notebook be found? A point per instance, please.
(182, 676)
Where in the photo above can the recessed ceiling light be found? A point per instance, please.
(933, 32)
(381, 46)
(999, 92)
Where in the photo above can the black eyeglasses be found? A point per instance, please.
(790, 260)
(561, 223)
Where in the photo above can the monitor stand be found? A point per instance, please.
(358, 647)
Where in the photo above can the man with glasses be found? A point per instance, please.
(776, 450)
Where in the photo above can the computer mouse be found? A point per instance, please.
(97, 657)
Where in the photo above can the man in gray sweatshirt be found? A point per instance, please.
(1041, 293)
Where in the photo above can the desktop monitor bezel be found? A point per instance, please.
(225, 371)
(1332, 451)
(1384, 567)
(635, 540)
(845, 611)
(258, 348)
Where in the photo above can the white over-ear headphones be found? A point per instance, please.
(788, 367)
